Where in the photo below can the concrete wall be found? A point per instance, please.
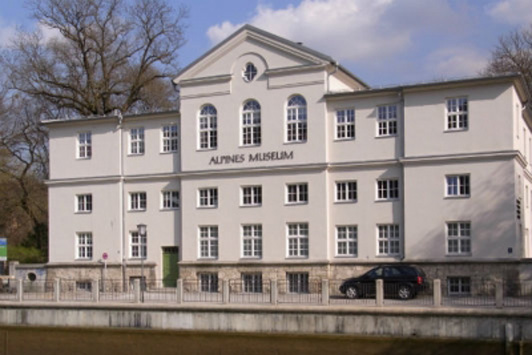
(460, 323)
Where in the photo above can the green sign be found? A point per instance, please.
(3, 249)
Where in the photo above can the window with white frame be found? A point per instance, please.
(84, 286)
(252, 195)
(137, 201)
(457, 114)
(297, 282)
(346, 241)
(459, 286)
(170, 139)
(84, 245)
(251, 131)
(208, 282)
(84, 203)
(84, 145)
(208, 242)
(297, 239)
(249, 72)
(170, 200)
(208, 128)
(459, 238)
(136, 141)
(387, 121)
(457, 185)
(346, 191)
(252, 240)
(137, 245)
(345, 124)
(296, 193)
(387, 189)
(388, 239)
(252, 283)
(208, 197)
(296, 119)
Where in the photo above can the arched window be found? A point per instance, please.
(251, 123)
(249, 72)
(208, 128)
(296, 119)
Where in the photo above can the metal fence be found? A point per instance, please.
(453, 292)
(196, 291)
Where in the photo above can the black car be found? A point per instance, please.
(400, 281)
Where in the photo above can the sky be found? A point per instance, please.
(383, 42)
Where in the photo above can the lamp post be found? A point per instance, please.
(141, 229)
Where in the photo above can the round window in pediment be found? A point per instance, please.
(250, 72)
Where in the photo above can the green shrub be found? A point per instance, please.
(25, 255)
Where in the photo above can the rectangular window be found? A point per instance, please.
(252, 283)
(252, 240)
(208, 197)
(251, 195)
(457, 114)
(170, 200)
(84, 286)
(387, 189)
(296, 193)
(84, 245)
(137, 201)
(84, 203)
(345, 124)
(459, 238)
(457, 185)
(459, 286)
(518, 208)
(208, 132)
(346, 191)
(138, 246)
(386, 121)
(136, 141)
(208, 282)
(297, 282)
(84, 145)
(170, 139)
(208, 240)
(346, 241)
(389, 240)
(297, 240)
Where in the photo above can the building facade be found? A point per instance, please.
(282, 164)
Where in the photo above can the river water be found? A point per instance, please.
(77, 341)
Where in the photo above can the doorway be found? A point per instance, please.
(170, 268)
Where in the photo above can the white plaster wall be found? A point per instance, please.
(490, 208)
(490, 113)
(366, 212)
(103, 221)
(64, 163)
(366, 146)
(153, 161)
(274, 215)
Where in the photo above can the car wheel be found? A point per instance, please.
(404, 292)
(352, 292)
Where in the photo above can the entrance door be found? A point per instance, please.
(170, 268)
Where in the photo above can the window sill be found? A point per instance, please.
(250, 206)
(135, 155)
(249, 145)
(206, 207)
(205, 258)
(82, 259)
(206, 149)
(456, 130)
(349, 139)
(346, 256)
(345, 202)
(294, 142)
(169, 209)
(81, 158)
(170, 152)
(386, 136)
(144, 210)
(458, 197)
(296, 257)
(387, 200)
(296, 203)
(248, 258)
(461, 255)
(391, 256)
(82, 212)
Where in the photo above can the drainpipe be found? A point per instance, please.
(121, 195)
(402, 171)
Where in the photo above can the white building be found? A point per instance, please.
(282, 164)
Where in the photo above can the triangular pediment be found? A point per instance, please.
(274, 51)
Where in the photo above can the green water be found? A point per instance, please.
(57, 341)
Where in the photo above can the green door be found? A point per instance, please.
(170, 268)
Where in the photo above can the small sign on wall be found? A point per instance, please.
(3, 249)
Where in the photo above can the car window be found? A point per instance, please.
(377, 272)
(391, 272)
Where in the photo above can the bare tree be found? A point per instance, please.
(104, 56)
(513, 54)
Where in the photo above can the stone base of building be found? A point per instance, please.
(495, 270)
(98, 271)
